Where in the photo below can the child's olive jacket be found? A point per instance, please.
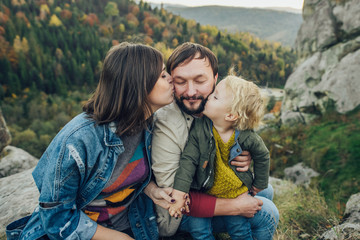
(196, 169)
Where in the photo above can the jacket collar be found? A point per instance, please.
(188, 118)
(110, 137)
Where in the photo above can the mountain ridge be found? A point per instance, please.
(271, 24)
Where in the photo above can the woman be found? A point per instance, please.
(91, 176)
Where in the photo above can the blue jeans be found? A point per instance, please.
(262, 226)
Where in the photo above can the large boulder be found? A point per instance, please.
(350, 228)
(300, 174)
(16, 160)
(327, 75)
(5, 137)
(318, 29)
(19, 197)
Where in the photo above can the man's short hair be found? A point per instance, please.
(187, 52)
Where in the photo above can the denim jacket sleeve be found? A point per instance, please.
(60, 189)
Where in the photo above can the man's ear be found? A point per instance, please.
(231, 117)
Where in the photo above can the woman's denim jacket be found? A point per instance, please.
(70, 174)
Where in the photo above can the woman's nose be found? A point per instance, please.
(170, 80)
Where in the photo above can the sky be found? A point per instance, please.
(297, 4)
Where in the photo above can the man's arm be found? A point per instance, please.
(243, 205)
(166, 151)
(160, 196)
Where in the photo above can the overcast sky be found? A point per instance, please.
(239, 3)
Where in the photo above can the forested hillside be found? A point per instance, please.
(54, 46)
(52, 51)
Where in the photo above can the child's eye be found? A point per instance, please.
(215, 97)
(163, 76)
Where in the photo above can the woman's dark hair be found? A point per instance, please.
(187, 52)
(129, 73)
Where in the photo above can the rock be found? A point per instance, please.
(348, 17)
(281, 186)
(346, 231)
(275, 93)
(15, 161)
(350, 228)
(326, 77)
(300, 174)
(318, 29)
(5, 137)
(340, 83)
(326, 80)
(352, 211)
(269, 117)
(19, 197)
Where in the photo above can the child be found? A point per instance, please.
(232, 111)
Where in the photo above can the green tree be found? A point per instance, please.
(14, 83)
(111, 9)
(88, 76)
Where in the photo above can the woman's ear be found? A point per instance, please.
(231, 117)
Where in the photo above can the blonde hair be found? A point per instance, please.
(247, 102)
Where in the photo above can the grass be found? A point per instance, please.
(304, 214)
(330, 145)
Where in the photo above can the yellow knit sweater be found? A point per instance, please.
(226, 183)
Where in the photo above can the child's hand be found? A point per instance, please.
(178, 206)
(253, 191)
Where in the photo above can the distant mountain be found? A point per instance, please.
(274, 25)
(285, 9)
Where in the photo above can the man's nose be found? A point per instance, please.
(191, 91)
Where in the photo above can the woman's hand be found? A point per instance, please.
(160, 196)
(242, 162)
(178, 207)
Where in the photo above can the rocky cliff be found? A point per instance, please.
(328, 72)
(5, 137)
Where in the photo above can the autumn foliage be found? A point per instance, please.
(56, 46)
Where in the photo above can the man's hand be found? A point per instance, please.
(247, 205)
(242, 162)
(160, 196)
(243, 205)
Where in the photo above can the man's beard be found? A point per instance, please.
(201, 107)
(180, 103)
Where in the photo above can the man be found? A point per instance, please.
(194, 71)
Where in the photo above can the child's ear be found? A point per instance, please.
(231, 117)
